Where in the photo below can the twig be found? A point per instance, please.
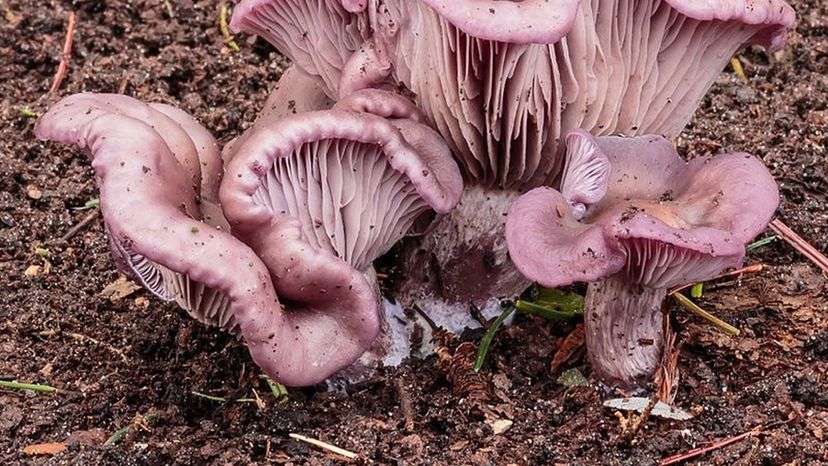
(169, 7)
(695, 309)
(222, 399)
(325, 446)
(716, 445)
(83, 223)
(478, 316)
(225, 31)
(434, 327)
(732, 273)
(67, 51)
(27, 386)
(800, 244)
(640, 420)
(405, 404)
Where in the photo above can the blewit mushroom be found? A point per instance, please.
(502, 102)
(356, 177)
(634, 219)
(151, 209)
(319, 36)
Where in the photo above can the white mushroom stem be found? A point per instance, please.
(624, 331)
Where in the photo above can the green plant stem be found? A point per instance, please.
(487, 338)
(27, 386)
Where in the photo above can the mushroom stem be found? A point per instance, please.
(624, 331)
(461, 259)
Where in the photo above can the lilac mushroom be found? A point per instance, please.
(502, 97)
(152, 212)
(357, 178)
(634, 219)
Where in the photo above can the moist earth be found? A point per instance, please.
(121, 358)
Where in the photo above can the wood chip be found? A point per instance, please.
(119, 289)
(34, 192)
(44, 449)
(499, 426)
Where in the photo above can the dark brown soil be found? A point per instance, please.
(777, 370)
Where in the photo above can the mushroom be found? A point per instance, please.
(502, 100)
(319, 36)
(634, 219)
(502, 80)
(356, 178)
(150, 205)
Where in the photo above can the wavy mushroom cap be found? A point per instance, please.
(662, 221)
(512, 21)
(630, 67)
(151, 213)
(319, 36)
(355, 181)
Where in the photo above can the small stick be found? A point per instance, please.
(405, 404)
(27, 386)
(715, 446)
(478, 316)
(67, 51)
(800, 244)
(642, 419)
(325, 446)
(75, 229)
(748, 269)
(695, 309)
(222, 399)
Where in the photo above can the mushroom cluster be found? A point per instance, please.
(421, 122)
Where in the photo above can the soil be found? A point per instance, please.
(132, 361)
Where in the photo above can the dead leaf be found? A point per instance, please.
(44, 449)
(119, 289)
(571, 345)
(32, 271)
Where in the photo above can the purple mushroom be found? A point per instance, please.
(356, 178)
(503, 98)
(157, 168)
(633, 219)
(501, 81)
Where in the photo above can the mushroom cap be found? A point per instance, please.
(777, 15)
(319, 36)
(630, 67)
(662, 221)
(150, 210)
(355, 181)
(517, 22)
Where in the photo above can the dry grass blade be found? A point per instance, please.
(325, 446)
(800, 244)
(695, 309)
